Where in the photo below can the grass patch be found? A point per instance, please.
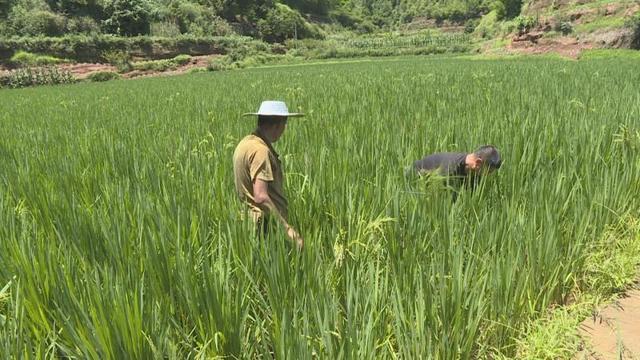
(510, 56)
(500, 43)
(601, 23)
(599, 4)
(26, 59)
(609, 54)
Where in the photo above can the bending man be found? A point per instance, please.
(460, 167)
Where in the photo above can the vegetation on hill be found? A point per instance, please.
(270, 20)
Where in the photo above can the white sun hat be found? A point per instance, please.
(274, 108)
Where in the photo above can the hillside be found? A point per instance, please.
(568, 27)
(118, 32)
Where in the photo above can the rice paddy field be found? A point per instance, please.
(121, 235)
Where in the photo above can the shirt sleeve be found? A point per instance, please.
(260, 165)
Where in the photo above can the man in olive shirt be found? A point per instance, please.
(461, 167)
(257, 169)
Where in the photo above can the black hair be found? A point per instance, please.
(489, 155)
(266, 120)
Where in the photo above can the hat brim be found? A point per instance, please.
(280, 115)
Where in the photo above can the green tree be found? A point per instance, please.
(5, 8)
(195, 18)
(93, 8)
(127, 17)
(507, 9)
(246, 10)
(33, 18)
(282, 23)
(316, 7)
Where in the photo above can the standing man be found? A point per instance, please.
(466, 167)
(258, 172)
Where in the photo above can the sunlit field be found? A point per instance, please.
(121, 236)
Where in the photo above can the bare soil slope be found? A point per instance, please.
(593, 24)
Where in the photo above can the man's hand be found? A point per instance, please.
(295, 237)
(262, 199)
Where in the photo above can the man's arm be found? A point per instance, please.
(264, 202)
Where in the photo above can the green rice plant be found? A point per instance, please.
(122, 236)
(595, 54)
(418, 40)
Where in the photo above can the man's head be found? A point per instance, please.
(272, 118)
(485, 157)
(272, 126)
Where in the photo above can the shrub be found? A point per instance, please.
(282, 23)
(37, 23)
(278, 48)
(634, 24)
(181, 59)
(83, 25)
(101, 76)
(164, 29)
(23, 58)
(565, 28)
(470, 25)
(197, 70)
(186, 13)
(507, 9)
(219, 63)
(220, 27)
(366, 27)
(524, 23)
(487, 26)
(95, 48)
(197, 19)
(345, 18)
(118, 58)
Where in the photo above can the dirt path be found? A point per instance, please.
(614, 332)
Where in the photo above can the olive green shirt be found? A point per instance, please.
(255, 158)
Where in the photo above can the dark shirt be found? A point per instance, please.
(447, 164)
(452, 165)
